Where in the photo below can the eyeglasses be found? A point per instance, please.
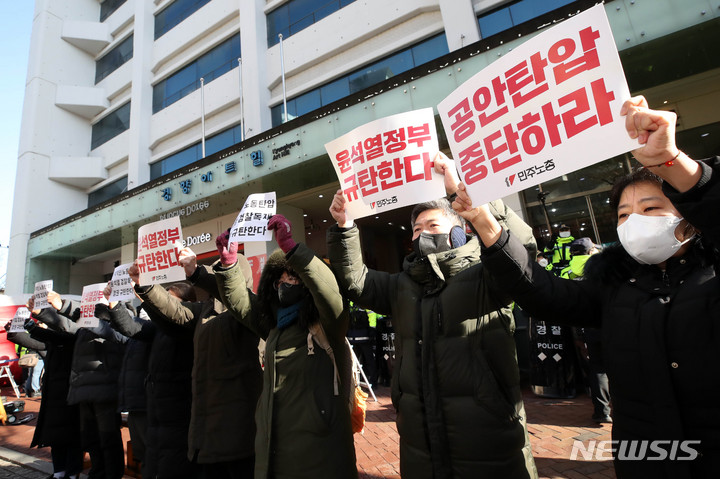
(287, 280)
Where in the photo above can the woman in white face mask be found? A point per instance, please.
(656, 296)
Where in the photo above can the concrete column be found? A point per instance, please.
(253, 44)
(461, 26)
(141, 96)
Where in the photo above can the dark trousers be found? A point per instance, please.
(599, 385)
(137, 425)
(240, 469)
(100, 430)
(68, 458)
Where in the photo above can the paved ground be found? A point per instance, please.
(10, 470)
(553, 426)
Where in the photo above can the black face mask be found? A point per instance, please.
(428, 243)
(289, 294)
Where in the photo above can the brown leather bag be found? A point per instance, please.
(28, 360)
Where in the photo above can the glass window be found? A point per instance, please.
(516, 13)
(174, 14)
(296, 15)
(193, 153)
(495, 22)
(210, 66)
(308, 102)
(526, 10)
(219, 142)
(114, 59)
(362, 78)
(108, 191)
(108, 7)
(566, 201)
(334, 91)
(110, 126)
(429, 50)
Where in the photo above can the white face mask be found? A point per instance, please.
(564, 234)
(650, 239)
(543, 262)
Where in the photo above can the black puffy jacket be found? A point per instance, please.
(58, 423)
(660, 332)
(168, 388)
(456, 384)
(97, 356)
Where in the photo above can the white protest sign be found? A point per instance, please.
(388, 163)
(156, 257)
(18, 321)
(251, 223)
(40, 300)
(122, 289)
(549, 107)
(91, 295)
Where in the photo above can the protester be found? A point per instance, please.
(303, 417)
(226, 376)
(591, 352)
(168, 386)
(456, 386)
(58, 424)
(32, 384)
(131, 383)
(655, 296)
(96, 361)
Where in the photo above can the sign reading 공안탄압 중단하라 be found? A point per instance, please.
(549, 107)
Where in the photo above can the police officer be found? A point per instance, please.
(361, 334)
(560, 249)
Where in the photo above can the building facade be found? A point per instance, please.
(138, 110)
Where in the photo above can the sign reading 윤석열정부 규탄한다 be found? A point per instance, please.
(388, 163)
(251, 223)
(549, 107)
(92, 294)
(122, 288)
(158, 244)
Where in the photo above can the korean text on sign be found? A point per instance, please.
(157, 252)
(18, 321)
(251, 223)
(388, 163)
(549, 107)
(92, 294)
(122, 288)
(42, 288)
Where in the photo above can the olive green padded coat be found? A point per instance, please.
(303, 428)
